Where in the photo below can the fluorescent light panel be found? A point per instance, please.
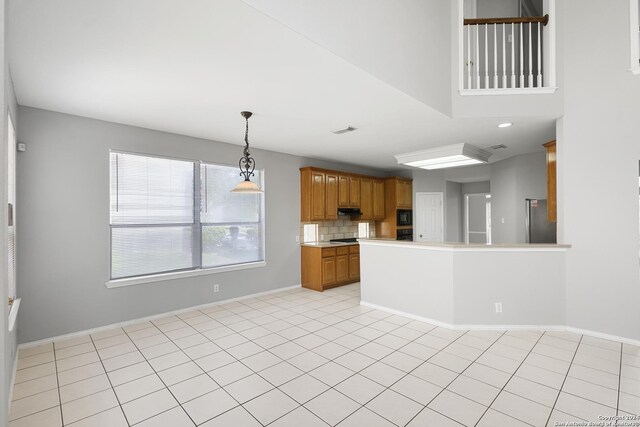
(449, 156)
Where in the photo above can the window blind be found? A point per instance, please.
(170, 215)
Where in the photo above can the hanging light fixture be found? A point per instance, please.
(247, 164)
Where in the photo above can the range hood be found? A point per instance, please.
(349, 211)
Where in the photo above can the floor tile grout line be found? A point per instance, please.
(507, 382)
(113, 390)
(55, 364)
(619, 383)
(166, 387)
(564, 380)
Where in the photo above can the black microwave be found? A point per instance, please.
(405, 217)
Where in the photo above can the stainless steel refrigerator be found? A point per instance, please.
(538, 229)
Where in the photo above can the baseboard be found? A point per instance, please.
(148, 318)
(479, 327)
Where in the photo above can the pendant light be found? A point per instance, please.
(247, 164)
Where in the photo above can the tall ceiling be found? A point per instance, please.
(190, 67)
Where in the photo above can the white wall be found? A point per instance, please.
(454, 212)
(63, 256)
(512, 181)
(406, 45)
(598, 152)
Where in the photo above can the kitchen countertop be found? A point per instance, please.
(328, 244)
(470, 246)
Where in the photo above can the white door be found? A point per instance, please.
(477, 218)
(429, 217)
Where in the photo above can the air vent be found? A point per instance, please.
(345, 130)
(498, 147)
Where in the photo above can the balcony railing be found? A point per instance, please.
(503, 53)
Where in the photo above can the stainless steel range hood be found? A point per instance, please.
(349, 211)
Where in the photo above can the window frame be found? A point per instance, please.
(634, 34)
(197, 229)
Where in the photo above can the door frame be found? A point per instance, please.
(465, 213)
(416, 213)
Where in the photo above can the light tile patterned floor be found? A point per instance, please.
(301, 358)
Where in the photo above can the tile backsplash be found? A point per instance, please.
(338, 229)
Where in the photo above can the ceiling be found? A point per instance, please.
(191, 69)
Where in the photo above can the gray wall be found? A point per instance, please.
(454, 212)
(476, 187)
(598, 154)
(512, 181)
(63, 189)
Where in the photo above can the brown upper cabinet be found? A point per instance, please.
(378, 199)
(366, 198)
(323, 191)
(354, 191)
(331, 183)
(343, 191)
(552, 198)
(404, 194)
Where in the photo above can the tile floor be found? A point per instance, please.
(301, 358)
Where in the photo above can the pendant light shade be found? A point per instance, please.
(247, 164)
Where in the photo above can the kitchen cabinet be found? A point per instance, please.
(378, 199)
(313, 195)
(552, 198)
(331, 189)
(366, 198)
(343, 191)
(354, 192)
(398, 194)
(326, 267)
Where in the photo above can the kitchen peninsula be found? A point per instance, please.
(466, 285)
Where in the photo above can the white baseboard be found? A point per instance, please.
(480, 327)
(149, 318)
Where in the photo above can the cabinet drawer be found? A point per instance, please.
(328, 252)
(354, 249)
(343, 250)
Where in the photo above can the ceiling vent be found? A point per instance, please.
(498, 147)
(345, 130)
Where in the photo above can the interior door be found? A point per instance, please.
(477, 218)
(429, 217)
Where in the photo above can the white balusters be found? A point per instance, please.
(477, 65)
(486, 58)
(539, 49)
(520, 49)
(504, 59)
(513, 56)
(521, 58)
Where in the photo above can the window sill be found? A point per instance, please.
(117, 283)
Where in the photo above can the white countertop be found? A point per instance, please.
(466, 246)
(328, 244)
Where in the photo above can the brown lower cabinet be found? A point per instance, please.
(328, 267)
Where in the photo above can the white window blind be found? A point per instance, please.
(231, 222)
(170, 215)
(11, 183)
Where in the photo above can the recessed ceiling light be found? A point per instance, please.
(505, 125)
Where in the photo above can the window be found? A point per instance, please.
(363, 230)
(310, 233)
(11, 196)
(171, 215)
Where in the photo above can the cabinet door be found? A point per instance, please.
(331, 187)
(407, 189)
(400, 194)
(354, 191)
(378, 199)
(317, 196)
(354, 266)
(366, 198)
(342, 268)
(343, 191)
(552, 210)
(328, 271)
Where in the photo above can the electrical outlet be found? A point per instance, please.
(321, 237)
(297, 239)
(498, 307)
(216, 288)
(502, 220)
